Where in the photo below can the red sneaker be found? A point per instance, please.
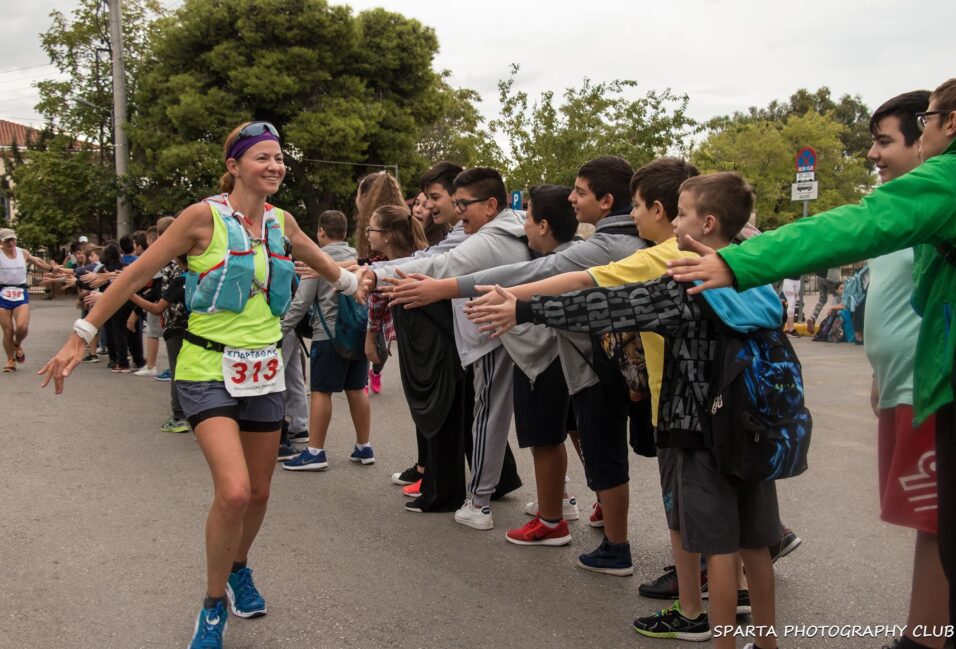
(597, 516)
(534, 532)
(374, 381)
(413, 490)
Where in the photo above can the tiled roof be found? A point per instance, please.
(10, 131)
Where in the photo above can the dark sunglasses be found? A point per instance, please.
(256, 129)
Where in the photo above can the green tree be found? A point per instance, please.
(458, 134)
(62, 191)
(850, 111)
(763, 151)
(339, 87)
(548, 142)
(79, 46)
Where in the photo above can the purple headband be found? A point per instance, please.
(242, 144)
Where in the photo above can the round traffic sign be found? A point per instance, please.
(806, 159)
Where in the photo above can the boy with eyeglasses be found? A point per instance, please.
(496, 238)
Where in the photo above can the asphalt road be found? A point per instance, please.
(101, 531)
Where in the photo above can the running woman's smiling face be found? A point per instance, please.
(261, 168)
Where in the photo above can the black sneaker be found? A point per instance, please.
(286, 452)
(787, 544)
(673, 624)
(743, 602)
(666, 587)
(299, 437)
(91, 358)
(411, 475)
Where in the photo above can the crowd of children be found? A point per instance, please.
(505, 317)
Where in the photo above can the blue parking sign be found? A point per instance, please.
(516, 200)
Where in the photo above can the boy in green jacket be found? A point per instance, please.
(916, 209)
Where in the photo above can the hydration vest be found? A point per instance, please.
(229, 284)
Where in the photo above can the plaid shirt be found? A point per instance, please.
(380, 316)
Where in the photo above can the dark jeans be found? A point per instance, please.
(126, 342)
(174, 342)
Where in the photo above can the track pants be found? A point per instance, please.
(494, 410)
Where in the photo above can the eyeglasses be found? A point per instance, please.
(461, 206)
(921, 117)
(369, 228)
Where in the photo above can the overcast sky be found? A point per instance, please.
(725, 55)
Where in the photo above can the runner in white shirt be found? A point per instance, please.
(14, 296)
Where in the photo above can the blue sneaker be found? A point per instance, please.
(363, 455)
(244, 599)
(609, 558)
(210, 626)
(305, 461)
(164, 376)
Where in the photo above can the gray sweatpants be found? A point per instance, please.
(296, 402)
(494, 410)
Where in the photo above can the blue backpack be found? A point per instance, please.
(757, 427)
(351, 323)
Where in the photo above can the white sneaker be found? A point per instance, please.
(480, 519)
(145, 371)
(569, 509)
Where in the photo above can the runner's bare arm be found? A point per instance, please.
(306, 250)
(190, 232)
(36, 261)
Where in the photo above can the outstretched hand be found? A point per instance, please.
(412, 290)
(362, 291)
(709, 268)
(497, 314)
(60, 366)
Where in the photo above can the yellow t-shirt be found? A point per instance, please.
(253, 328)
(642, 266)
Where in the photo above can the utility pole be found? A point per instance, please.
(120, 142)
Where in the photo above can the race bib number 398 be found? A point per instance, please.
(251, 372)
(12, 294)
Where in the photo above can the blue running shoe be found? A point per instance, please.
(244, 599)
(165, 375)
(305, 461)
(363, 455)
(210, 627)
(609, 558)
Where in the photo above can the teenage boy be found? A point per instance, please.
(716, 517)
(889, 334)
(329, 372)
(496, 237)
(600, 197)
(915, 208)
(541, 400)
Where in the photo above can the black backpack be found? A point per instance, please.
(757, 425)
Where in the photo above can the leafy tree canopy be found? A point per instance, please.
(62, 192)
(339, 87)
(764, 150)
(548, 142)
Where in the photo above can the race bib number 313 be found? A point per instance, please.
(251, 372)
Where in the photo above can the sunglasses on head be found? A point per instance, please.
(255, 129)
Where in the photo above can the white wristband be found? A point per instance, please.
(85, 330)
(347, 283)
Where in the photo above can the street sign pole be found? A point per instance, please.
(805, 189)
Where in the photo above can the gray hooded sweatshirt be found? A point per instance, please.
(601, 248)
